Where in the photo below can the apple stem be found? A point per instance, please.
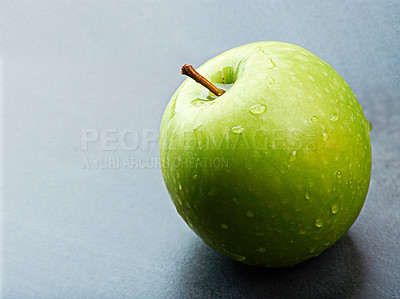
(189, 71)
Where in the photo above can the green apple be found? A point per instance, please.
(276, 169)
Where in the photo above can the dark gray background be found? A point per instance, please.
(68, 66)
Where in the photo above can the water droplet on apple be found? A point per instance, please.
(292, 156)
(324, 136)
(307, 195)
(180, 201)
(319, 222)
(257, 109)
(261, 249)
(224, 226)
(338, 174)
(334, 208)
(237, 129)
(250, 214)
(197, 126)
(237, 257)
(370, 127)
(314, 119)
(270, 64)
(334, 117)
(259, 50)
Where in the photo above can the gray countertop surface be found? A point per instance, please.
(71, 68)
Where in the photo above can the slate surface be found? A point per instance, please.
(112, 232)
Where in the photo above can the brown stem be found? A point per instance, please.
(189, 71)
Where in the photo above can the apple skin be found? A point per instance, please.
(277, 169)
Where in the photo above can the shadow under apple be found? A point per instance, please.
(336, 273)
